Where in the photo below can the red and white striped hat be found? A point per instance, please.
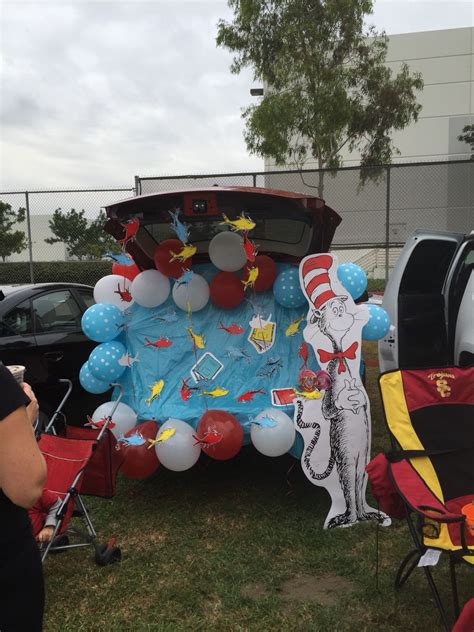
(315, 276)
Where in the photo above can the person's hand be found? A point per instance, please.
(45, 534)
(33, 408)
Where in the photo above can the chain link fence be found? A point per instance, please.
(380, 208)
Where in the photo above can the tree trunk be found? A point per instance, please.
(320, 179)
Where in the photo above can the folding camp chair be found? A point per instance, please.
(430, 417)
(84, 460)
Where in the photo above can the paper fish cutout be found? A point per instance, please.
(303, 353)
(161, 343)
(237, 354)
(252, 276)
(308, 395)
(134, 439)
(166, 434)
(197, 339)
(169, 316)
(124, 294)
(249, 395)
(233, 329)
(264, 422)
(128, 360)
(250, 249)
(242, 223)
(186, 252)
(186, 391)
(122, 259)
(156, 389)
(185, 278)
(271, 367)
(99, 423)
(210, 437)
(263, 332)
(131, 229)
(294, 326)
(217, 392)
(181, 230)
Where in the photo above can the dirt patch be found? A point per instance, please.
(254, 591)
(325, 589)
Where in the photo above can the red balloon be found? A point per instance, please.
(163, 254)
(129, 272)
(220, 434)
(227, 290)
(267, 271)
(139, 461)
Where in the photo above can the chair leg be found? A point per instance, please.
(454, 586)
(408, 565)
(437, 598)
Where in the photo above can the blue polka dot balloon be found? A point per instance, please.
(102, 322)
(378, 324)
(104, 361)
(287, 290)
(90, 383)
(353, 278)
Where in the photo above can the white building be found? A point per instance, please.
(42, 251)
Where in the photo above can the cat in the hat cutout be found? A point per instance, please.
(336, 428)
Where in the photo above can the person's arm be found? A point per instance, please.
(22, 467)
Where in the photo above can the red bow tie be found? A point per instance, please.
(349, 353)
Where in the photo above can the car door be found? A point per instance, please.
(57, 317)
(415, 298)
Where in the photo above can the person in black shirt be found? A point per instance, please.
(22, 476)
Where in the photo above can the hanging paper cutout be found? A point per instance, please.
(237, 354)
(283, 396)
(181, 230)
(131, 229)
(271, 368)
(210, 437)
(216, 392)
(128, 360)
(263, 332)
(186, 252)
(170, 316)
(233, 329)
(198, 340)
(242, 223)
(249, 395)
(124, 294)
(250, 249)
(161, 343)
(335, 427)
(97, 425)
(134, 439)
(185, 278)
(165, 434)
(294, 326)
(186, 391)
(252, 276)
(122, 259)
(206, 368)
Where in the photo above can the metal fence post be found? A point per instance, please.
(254, 176)
(137, 185)
(30, 243)
(387, 225)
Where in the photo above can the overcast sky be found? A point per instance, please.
(93, 93)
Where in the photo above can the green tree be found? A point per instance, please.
(327, 85)
(83, 239)
(11, 241)
(467, 136)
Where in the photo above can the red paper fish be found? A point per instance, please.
(250, 249)
(124, 294)
(232, 329)
(131, 229)
(186, 391)
(303, 353)
(211, 437)
(99, 423)
(249, 395)
(161, 343)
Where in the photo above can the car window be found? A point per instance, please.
(56, 311)
(17, 321)
(87, 296)
(427, 267)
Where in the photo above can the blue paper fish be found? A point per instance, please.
(271, 367)
(185, 277)
(236, 354)
(181, 230)
(264, 422)
(122, 259)
(168, 317)
(134, 439)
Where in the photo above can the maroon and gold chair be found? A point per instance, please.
(430, 417)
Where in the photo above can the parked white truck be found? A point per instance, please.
(430, 299)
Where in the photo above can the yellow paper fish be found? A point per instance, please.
(310, 395)
(217, 392)
(156, 389)
(241, 223)
(162, 437)
(185, 253)
(196, 338)
(294, 326)
(252, 277)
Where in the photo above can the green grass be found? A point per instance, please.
(211, 549)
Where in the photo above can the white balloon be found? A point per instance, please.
(124, 418)
(273, 441)
(195, 293)
(108, 288)
(150, 288)
(226, 251)
(178, 452)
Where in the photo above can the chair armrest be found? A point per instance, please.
(418, 496)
